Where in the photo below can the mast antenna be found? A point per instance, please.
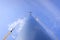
(30, 13)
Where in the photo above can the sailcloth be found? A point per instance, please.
(32, 30)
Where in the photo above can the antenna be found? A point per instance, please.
(30, 13)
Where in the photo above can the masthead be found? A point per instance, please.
(30, 13)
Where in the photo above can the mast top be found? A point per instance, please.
(30, 13)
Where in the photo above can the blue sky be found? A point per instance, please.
(46, 10)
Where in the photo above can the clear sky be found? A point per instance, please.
(48, 12)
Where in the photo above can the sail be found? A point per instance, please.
(32, 30)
